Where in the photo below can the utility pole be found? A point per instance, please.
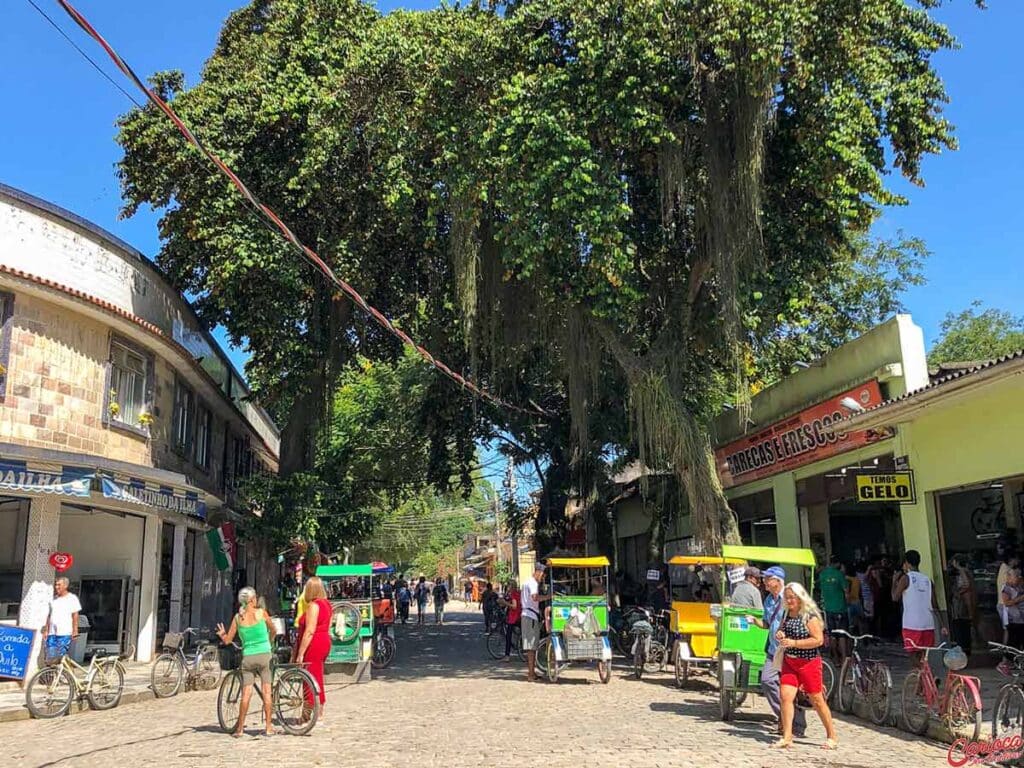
(510, 496)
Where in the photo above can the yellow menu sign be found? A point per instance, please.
(897, 486)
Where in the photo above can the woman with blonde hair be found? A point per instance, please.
(800, 638)
(314, 643)
(255, 628)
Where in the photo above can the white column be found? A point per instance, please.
(177, 621)
(37, 584)
(149, 589)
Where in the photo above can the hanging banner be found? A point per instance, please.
(68, 481)
(136, 491)
(224, 546)
(887, 487)
(801, 439)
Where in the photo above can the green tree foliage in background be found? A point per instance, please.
(977, 334)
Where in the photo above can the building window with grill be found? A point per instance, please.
(184, 417)
(128, 393)
(204, 424)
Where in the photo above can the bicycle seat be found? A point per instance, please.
(99, 653)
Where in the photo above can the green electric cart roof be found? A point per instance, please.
(359, 569)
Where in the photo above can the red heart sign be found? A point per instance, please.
(61, 560)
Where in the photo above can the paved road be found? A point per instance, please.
(445, 703)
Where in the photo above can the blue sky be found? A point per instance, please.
(57, 135)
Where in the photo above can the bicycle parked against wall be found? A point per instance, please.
(295, 694)
(52, 689)
(175, 669)
(1008, 712)
(957, 705)
(867, 679)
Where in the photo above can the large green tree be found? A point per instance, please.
(977, 334)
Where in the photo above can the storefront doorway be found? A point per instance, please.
(13, 529)
(755, 516)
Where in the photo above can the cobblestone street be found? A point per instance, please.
(445, 702)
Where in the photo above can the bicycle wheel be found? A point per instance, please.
(963, 715)
(107, 685)
(383, 651)
(49, 693)
(682, 672)
(879, 693)
(1008, 713)
(228, 699)
(517, 643)
(209, 673)
(166, 675)
(296, 701)
(496, 645)
(639, 661)
(914, 705)
(604, 671)
(552, 663)
(656, 658)
(828, 678)
(846, 690)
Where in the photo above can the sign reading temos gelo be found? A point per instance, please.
(803, 438)
(888, 487)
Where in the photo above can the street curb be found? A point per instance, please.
(13, 714)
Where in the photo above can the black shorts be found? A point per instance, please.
(834, 621)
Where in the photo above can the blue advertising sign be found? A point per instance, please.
(136, 491)
(69, 481)
(15, 649)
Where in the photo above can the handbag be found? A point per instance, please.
(780, 653)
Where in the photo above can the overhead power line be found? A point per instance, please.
(266, 213)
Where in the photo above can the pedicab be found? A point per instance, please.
(695, 624)
(741, 643)
(578, 618)
(350, 591)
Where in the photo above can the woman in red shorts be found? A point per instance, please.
(800, 637)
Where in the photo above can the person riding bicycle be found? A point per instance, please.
(255, 628)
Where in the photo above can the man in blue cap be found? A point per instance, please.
(774, 613)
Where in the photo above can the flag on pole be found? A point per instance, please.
(222, 544)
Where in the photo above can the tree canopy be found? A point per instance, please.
(977, 334)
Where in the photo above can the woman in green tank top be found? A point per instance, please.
(256, 630)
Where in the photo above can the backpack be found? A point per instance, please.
(403, 595)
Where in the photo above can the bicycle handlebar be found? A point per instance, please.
(1006, 648)
(855, 638)
(927, 648)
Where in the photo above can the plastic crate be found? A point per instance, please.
(583, 648)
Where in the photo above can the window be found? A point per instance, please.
(129, 374)
(6, 319)
(184, 415)
(204, 423)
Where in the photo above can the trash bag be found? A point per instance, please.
(955, 659)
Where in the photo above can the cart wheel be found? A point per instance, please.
(726, 703)
(552, 663)
(604, 671)
(682, 672)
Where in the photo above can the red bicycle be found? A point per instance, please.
(957, 705)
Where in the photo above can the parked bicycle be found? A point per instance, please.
(175, 669)
(649, 655)
(496, 643)
(52, 689)
(1008, 712)
(384, 648)
(295, 694)
(867, 679)
(958, 705)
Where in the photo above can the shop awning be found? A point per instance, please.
(783, 555)
(336, 571)
(59, 480)
(134, 490)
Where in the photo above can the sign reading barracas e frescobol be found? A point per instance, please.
(136, 491)
(802, 438)
(65, 481)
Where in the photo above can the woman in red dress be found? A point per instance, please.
(314, 634)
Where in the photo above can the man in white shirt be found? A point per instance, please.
(62, 624)
(919, 604)
(531, 600)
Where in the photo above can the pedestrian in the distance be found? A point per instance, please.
(440, 600)
(801, 636)
(62, 624)
(314, 636)
(920, 607)
(513, 615)
(490, 608)
(421, 595)
(1011, 598)
(404, 598)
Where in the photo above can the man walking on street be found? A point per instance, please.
(421, 600)
(835, 592)
(440, 600)
(531, 598)
(62, 624)
(771, 619)
(919, 605)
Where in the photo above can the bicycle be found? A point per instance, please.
(649, 655)
(175, 667)
(52, 689)
(1008, 712)
(295, 697)
(384, 648)
(958, 705)
(869, 679)
(496, 643)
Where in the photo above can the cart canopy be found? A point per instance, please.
(578, 562)
(336, 571)
(782, 555)
(704, 560)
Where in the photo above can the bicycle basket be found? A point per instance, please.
(173, 641)
(955, 658)
(229, 657)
